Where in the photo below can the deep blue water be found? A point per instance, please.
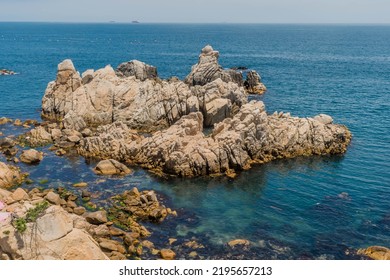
(287, 208)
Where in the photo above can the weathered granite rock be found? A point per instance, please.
(52, 236)
(4, 120)
(251, 136)
(38, 136)
(253, 83)
(137, 100)
(138, 69)
(31, 156)
(111, 167)
(376, 252)
(96, 218)
(9, 175)
(208, 69)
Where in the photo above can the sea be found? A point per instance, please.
(319, 207)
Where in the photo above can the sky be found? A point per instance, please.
(198, 11)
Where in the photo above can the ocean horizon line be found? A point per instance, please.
(201, 23)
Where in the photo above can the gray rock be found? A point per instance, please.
(137, 69)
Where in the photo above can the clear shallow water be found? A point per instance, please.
(287, 208)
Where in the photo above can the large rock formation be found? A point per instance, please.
(251, 136)
(176, 113)
(133, 98)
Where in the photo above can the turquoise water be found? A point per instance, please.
(287, 208)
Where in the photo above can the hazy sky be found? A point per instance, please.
(251, 11)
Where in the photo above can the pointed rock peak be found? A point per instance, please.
(209, 51)
(66, 65)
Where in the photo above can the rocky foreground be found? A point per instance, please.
(105, 113)
(53, 224)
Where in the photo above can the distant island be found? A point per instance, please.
(135, 21)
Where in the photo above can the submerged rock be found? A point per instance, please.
(111, 167)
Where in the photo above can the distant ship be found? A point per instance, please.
(5, 72)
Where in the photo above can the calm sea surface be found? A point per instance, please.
(288, 209)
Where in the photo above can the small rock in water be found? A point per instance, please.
(167, 254)
(80, 185)
(242, 242)
(31, 156)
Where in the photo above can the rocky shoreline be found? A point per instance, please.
(129, 116)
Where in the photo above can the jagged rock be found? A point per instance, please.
(31, 156)
(96, 218)
(208, 70)
(73, 121)
(39, 137)
(138, 69)
(87, 76)
(18, 122)
(111, 167)
(19, 194)
(376, 252)
(139, 101)
(253, 83)
(325, 119)
(9, 175)
(53, 198)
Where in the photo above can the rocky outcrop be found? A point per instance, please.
(9, 175)
(125, 105)
(253, 84)
(111, 167)
(251, 136)
(49, 225)
(52, 237)
(134, 96)
(376, 252)
(208, 70)
(137, 69)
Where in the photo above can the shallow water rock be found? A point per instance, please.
(31, 156)
(253, 83)
(111, 167)
(167, 254)
(237, 242)
(39, 136)
(376, 252)
(53, 198)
